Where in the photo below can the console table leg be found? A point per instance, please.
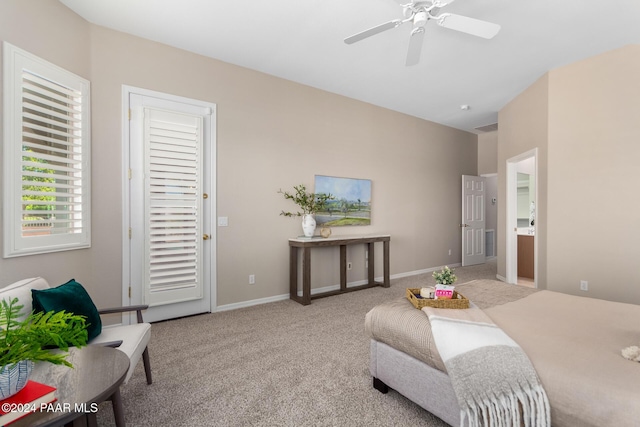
(371, 260)
(293, 273)
(385, 250)
(306, 276)
(343, 267)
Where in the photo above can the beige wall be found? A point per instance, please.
(523, 125)
(271, 134)
(488, 153)
(594, 154)
(583, 118)
(47, 29)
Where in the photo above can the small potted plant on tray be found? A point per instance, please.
(34, 339)
(445, 276)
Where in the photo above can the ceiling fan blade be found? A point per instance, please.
(468, 25)
(442, 3)
(434, 3)
(415, 46)
(373, 31)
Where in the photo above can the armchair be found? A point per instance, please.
(130, 339)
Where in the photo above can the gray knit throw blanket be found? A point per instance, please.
(492, 377)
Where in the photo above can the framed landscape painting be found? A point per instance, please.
(351, 204)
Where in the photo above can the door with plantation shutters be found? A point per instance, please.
(173, 192)
(170, 206)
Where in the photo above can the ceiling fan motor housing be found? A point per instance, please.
(420, 19)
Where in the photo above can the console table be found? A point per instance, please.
(306, 244)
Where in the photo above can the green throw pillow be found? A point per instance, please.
(71, 297)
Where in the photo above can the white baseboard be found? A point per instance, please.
(501, 278)
(283, 297)
(251, 303)
(426, 270)
(337, 287)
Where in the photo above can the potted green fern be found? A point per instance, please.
(33, 339)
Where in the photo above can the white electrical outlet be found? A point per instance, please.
(349, 265)
(584, 285)
(252, 279)
(449, 251)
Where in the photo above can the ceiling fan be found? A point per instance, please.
(421, 12)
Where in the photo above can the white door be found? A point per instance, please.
(473, 220)
(171, 246)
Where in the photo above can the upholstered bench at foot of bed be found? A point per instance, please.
(417, 381)
(404, 356)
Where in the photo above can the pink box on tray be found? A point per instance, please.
(444, 291)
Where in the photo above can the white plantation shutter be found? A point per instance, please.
(173, 206)
(51, 155)
(47, 157)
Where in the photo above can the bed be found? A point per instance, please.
(573, 342)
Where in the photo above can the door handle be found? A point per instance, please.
(464, 225)
(205, 237)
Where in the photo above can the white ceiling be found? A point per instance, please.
(302, 41)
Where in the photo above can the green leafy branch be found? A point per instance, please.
(32, 338)
(309, 203)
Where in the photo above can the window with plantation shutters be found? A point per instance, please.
(46, 156)
(173, 209)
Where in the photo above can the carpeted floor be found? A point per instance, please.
(277, 364)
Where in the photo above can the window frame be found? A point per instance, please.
(15, 62)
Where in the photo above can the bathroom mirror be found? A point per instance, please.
(526, 198)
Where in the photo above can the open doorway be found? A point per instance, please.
(522, 196)
(491, 215)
